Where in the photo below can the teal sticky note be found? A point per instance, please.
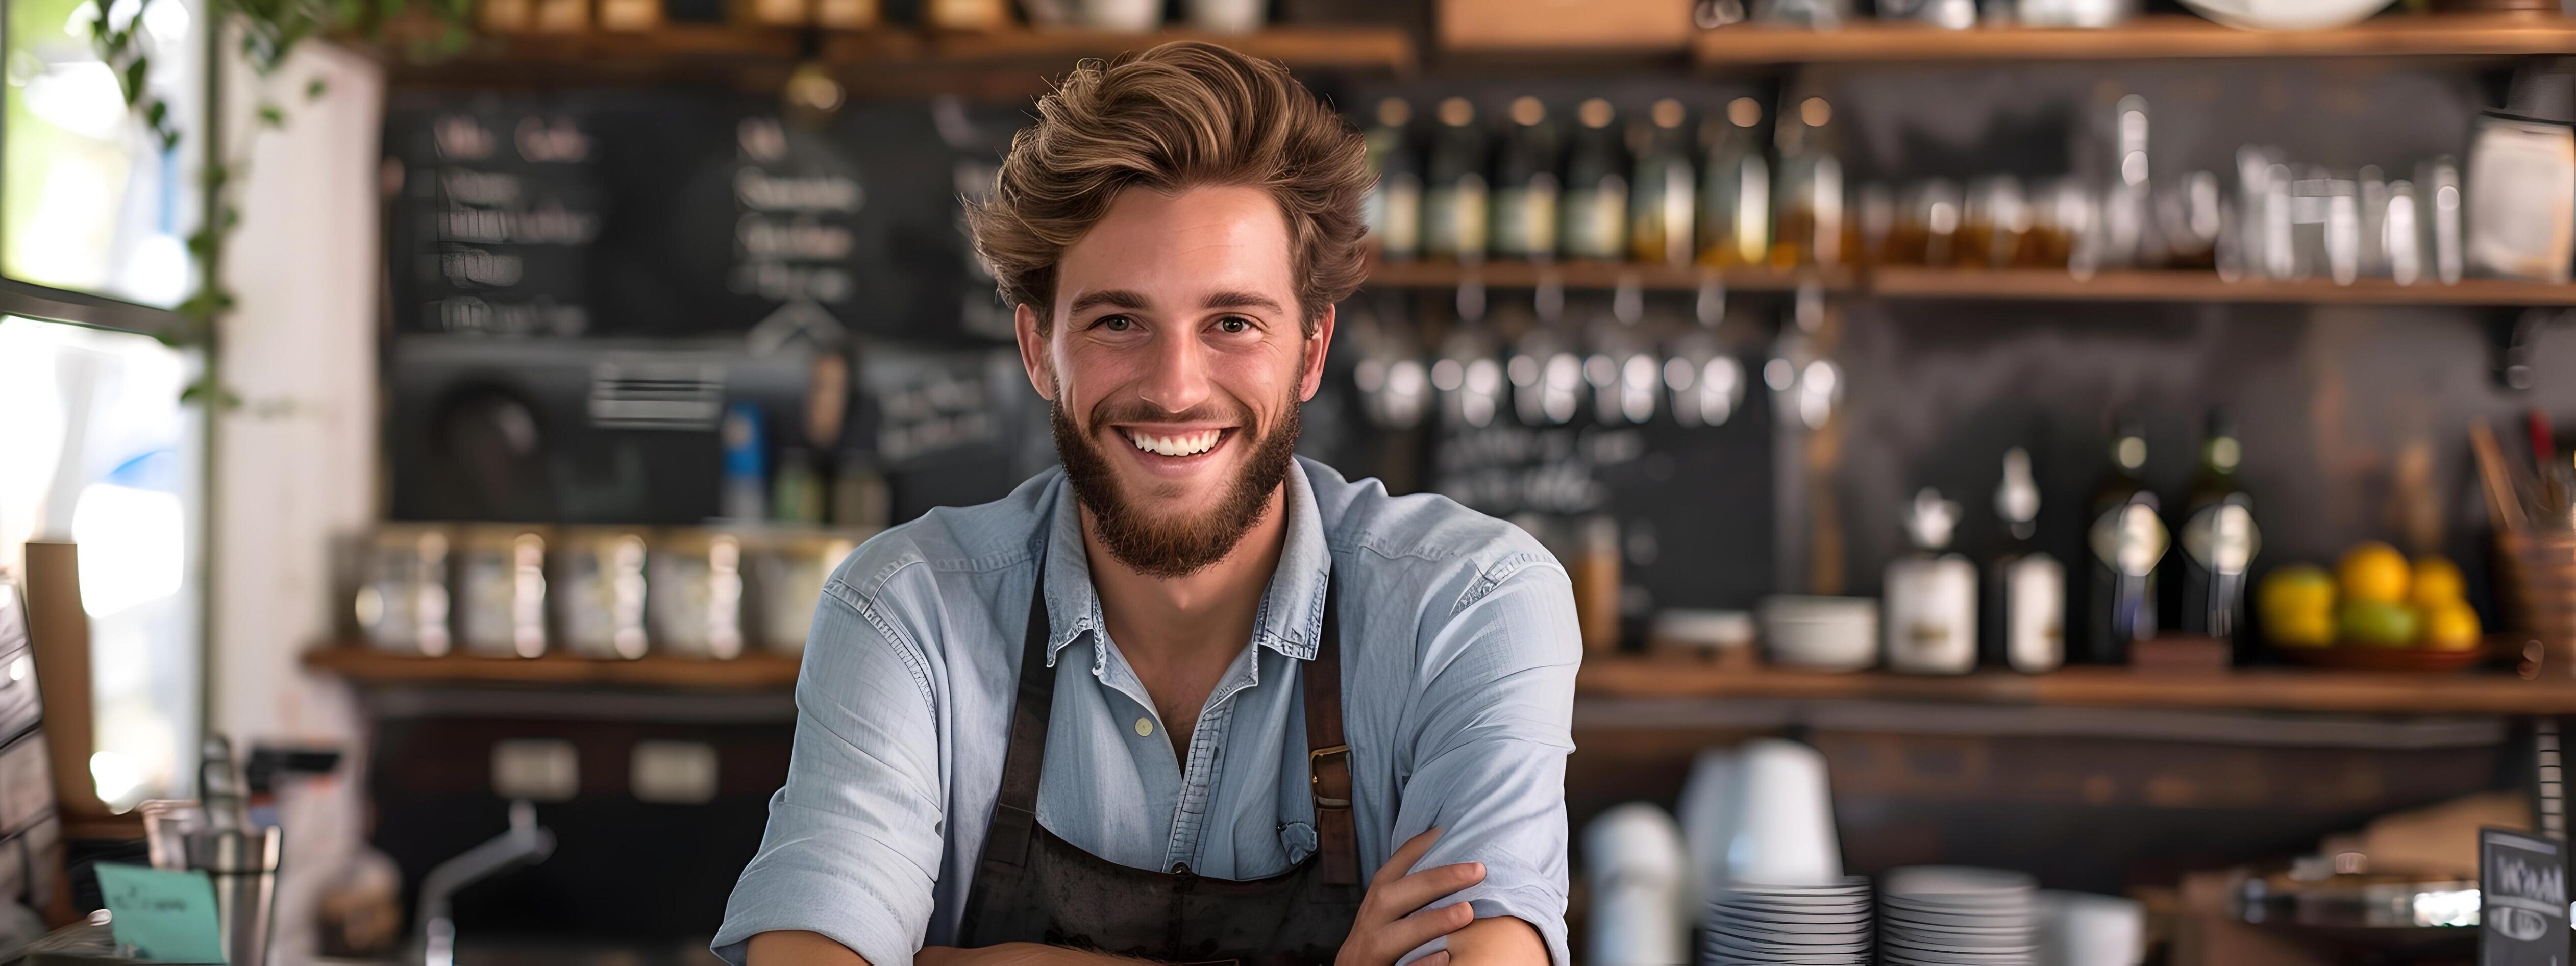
(166, 916)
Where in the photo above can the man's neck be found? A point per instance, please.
(1164, 623)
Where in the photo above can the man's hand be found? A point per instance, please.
(1391, 919)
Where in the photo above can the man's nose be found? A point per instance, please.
(1179, 380)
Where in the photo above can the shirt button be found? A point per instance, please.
(1144, 728)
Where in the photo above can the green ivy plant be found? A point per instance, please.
(268, 33)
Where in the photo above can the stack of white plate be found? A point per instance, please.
(1950, 916)
(1786, 925)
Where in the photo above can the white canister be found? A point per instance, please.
(1228, 16)
(1123, 16)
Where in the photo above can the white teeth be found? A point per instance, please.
(1185, 444)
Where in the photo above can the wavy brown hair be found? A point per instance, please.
(1182, 115)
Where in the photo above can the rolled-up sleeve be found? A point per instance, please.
(1495, 724)
(853, 844)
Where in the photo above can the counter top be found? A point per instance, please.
(2245, 689)
(1663, 678)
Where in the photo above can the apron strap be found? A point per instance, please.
(1013, 831)
(1328, 755)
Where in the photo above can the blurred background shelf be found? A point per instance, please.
(2444, 35)
(1616, 678)
(1311, 46)
(2171, 286)
(2262, 689)
(2008, 284)
(758, 55)
(1588, 275)
(753, 670)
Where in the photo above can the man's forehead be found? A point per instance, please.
(1208, 247)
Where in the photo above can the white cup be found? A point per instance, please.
(1227, 16)
(1707, 815)
(2081, 929)
(1784, 828)
(1633, 864)
(1122, 16)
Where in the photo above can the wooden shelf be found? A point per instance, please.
(1925, 283)
(872, 58)
(671, 52)
(2262, 689)
(2259, 689)
(1600, 275)
(755, 670)
(1310, 46)
(2149, 38)
(2006, 285)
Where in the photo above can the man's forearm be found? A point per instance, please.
(1497, 941)
(796, 948)
(1019, 954)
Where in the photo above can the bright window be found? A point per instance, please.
(99, 452)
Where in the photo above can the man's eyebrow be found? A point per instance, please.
(1113, 297)
(1241, 300)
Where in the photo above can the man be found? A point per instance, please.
(1175, 701)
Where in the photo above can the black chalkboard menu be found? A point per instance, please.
(681, 213)
(561, 261)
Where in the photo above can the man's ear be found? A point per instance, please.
(1312, 378)
(1033, 351)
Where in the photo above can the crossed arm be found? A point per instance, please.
(1392, 921)
(1502, 941)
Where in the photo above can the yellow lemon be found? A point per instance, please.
(2300, 629)
(2437, 582)
(2377, 623)
(2298, 589)
(2373, 571)
(2451, 626)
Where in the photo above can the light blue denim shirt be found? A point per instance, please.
(1459, 653)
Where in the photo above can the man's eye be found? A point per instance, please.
(1233, 325)
(1117, 323)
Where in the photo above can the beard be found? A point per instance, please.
(1149, 539)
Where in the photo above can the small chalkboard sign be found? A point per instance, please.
(2522, 899)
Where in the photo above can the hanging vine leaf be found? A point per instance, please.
(132, 79)
(201, 390)
(269, 32)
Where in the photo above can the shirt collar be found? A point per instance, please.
(1291, 617)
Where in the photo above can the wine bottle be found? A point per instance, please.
(2127, 540)
(1931, 595)
(2025, 619)
(1661, 197)
(2219, 539)
(1525, 185)
(1735, 189)
(1810, 189)
(1455, 201)
(1395, 205)
(1595, 222)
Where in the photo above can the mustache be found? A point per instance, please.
(1132, 410)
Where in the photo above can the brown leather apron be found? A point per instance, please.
(1031, 886)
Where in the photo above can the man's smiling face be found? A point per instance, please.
(1175, 360)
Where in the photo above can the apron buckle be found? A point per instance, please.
(1315, 775)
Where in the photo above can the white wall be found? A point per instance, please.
(296, 463)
